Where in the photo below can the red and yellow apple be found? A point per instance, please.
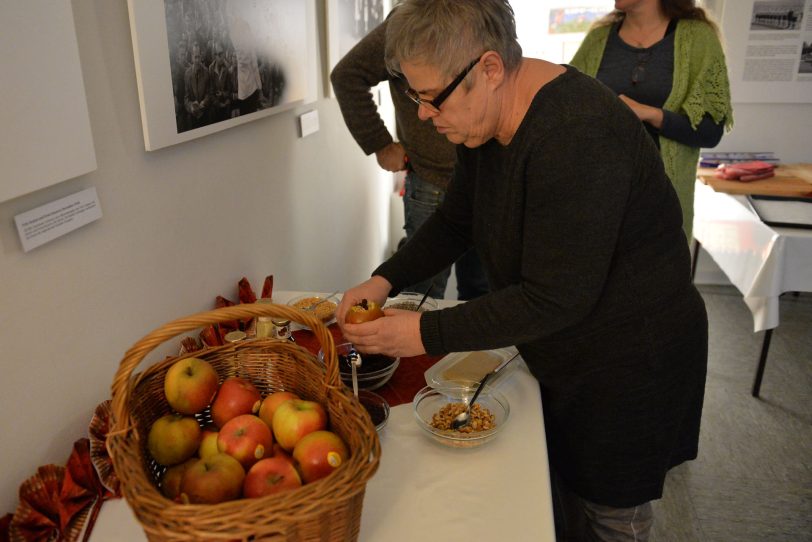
(190, 385)
(246, 438)
(208, 442)
(270, 475)
(318, 454)
(365, 311)
(279, 451)
(215, 479)
(173, 439)
(271, 403)
(296, 418)
(170, 481)
(236, 396)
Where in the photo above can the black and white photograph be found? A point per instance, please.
(777, 15)
(220, 69)
(351, 20)
(224, 63)
(805, 66)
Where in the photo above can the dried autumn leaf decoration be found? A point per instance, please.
(82, 492)
(37, 516)
(214, 335)
(99, 456)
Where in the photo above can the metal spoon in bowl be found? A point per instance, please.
(355, 362)
(464, 418)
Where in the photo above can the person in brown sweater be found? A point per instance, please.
(563, 193)
(427, 156)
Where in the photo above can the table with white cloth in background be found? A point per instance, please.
(762, 261)
(426, 491)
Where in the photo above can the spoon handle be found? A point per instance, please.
(425, 296)
(487, 376)
(479, 389)
(504, 363)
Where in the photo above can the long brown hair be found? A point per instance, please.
(672, 9)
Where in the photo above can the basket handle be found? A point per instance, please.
(137, 352)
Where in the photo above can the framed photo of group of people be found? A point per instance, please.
(350, 20)
(203, 66)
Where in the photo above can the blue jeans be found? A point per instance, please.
(420, 200)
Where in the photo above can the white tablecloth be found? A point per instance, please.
(424, 491)
(760, 260)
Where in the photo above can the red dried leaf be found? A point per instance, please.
(267, 287)
(229, 325)
(99, 456)
(189, 345)
(37, 515)
(211, 336)
(81, 487)
(5, 525)
(246, 293)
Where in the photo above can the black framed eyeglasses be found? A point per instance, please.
(639, 70)
(434, 104)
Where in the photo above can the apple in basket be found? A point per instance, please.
(296, 418)
(173, 439)
(318, 454)
(236, 396)
(271, 403)
(190, 385)
(215, 479)
(208, 442)
(170, 481)
(246, 438)
(270, 475)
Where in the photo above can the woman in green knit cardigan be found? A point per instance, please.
(665, 60)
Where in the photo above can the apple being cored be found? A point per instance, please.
(270, 475)
(215, 479)
(365, 311)
(170, 481)
(318, 454)
(208, 442)
(236, 396)
(173, 439)
(246, 438)
(271, 403)
(190, 385)
(296, 418)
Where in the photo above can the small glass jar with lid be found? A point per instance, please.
(235, 336)
(265, 325)
(281, 328)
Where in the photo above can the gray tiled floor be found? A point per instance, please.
(752, 480)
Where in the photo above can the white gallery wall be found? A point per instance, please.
(180, 226)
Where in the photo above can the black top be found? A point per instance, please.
(579, 230)
(646, 75)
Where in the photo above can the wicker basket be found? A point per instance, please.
(328, 509)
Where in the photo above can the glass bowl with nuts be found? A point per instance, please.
(409, 301)
(320, 306)
(434, 408)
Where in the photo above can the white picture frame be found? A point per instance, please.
(278, 37)
(348, 21)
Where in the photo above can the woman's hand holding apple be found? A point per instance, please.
(396, 335)
(375, 289)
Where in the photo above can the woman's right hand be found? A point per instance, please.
(375, 289)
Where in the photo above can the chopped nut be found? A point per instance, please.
(481, 418)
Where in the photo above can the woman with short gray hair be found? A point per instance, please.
(563, 195)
